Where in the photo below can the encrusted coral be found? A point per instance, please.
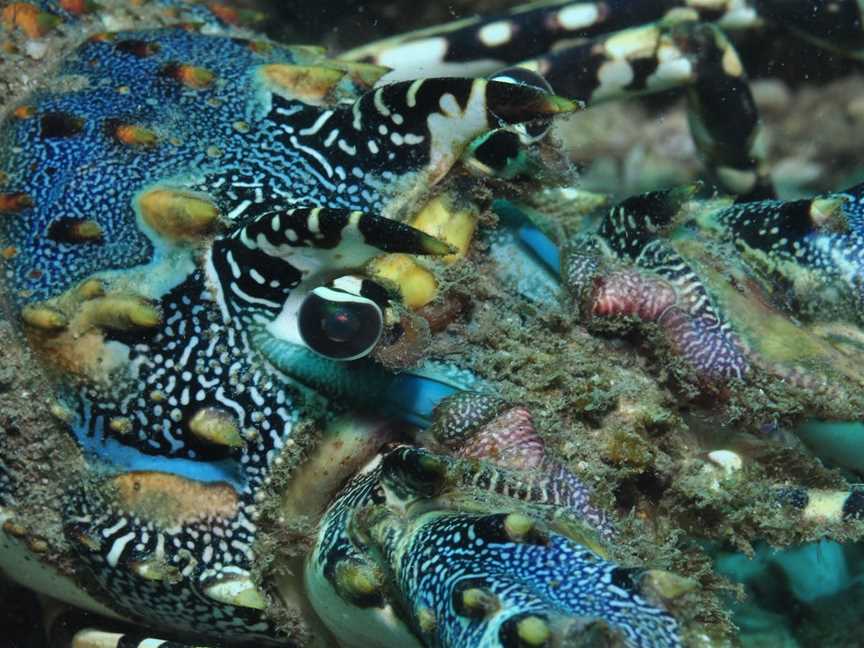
(254, 274)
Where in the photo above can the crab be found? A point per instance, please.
(231, 258)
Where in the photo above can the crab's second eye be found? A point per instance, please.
(339, 325)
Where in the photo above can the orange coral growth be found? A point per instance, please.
(29, 19)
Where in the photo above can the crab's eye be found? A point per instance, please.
(339, 325)
(535, 130)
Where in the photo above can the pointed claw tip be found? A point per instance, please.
(514, 104)
(426, 619)
(667, 585)
(436, 246)
(681, 195)
(558, 104)
(687, 191)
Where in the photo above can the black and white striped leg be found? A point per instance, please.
(94, 638)
(626, 43)
(695, 56)
(624, 49)
(483, 44)
(71, 628)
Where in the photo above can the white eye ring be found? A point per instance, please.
(339, 325)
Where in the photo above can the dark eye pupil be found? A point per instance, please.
(340, 325)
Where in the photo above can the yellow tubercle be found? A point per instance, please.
(178, 214)
(357, 580)
(363, 74)
(442, 219)
(533, 631)
(310, 83)
(121, 313)
(240, 591)
(91, 289)
(155, 570)
(134, 135)
(417, 285)
(192, 76)
(216, 426)
(44, 317)
(518, 526)
(478, 602)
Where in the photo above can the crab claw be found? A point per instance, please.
(403, 553)
(405, 137)
(504, 580)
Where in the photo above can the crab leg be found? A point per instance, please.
(94, 638)
(815, 245)
(696, 56)
(484, 44)
(668, 53)
(802, 258)
(656, 284)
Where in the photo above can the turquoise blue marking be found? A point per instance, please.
(542, 246)
(413, 398)
(120, 458)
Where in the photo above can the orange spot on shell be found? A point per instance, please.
(101, 37)
(171, 499)
(133, 135)
(24, 112)
(260, 47)
(234, 16)
(189, 26)
(189, 75)
(9, 252)
(224, 12)
(34, 22)
(78, 7)
(310, 83)
(12, 203)
(177, 214)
